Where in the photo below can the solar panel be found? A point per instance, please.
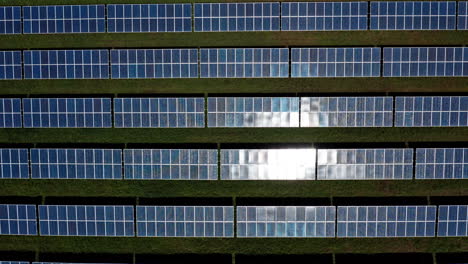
(154, 63)
(14, 163)
(76, 163)
(386, 221)
(237, 17)
(10, 112)
(10, 65)
(364, 164)
(462, 15)
(303, 16)
(10, 20)
(185, 221)
(244, 63)
(159, 112)
(253, 112)
(18, 219)
(171, 164)
(268, 164)
(149, 18)
(14, 262)
(442, 163)
(413, 15)
(286, 221)
(452, 221)
(86, 220)
(335, 62)
(66, 64)
(346, 111)
(64, 19)
(425, 62)
(431, 111)
(67, 112)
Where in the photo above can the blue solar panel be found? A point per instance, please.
(10, 20)
(442, 163)
(86, 220)
(431, 111)
(64, 19)
(10, 112)
(159, 112)
(67, 112)
(14, 262)
(244, 63)
(14, 164)
(462, 15)
(18, 219)
(303, 16)
(452, 221)
(237, 17)
(76, 163)
(441, 61)
(335, 62)
(66, 64)
(10, 65)
(409, 15)
(154, 63)
(149, 18)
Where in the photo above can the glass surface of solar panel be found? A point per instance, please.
(14, 262)
(154, 63)
(67, 112)
(149, 18)
(431, 111)
(286, 221)
(413, 15)
(14, 163)
(11, 65)
(253, 112)
(442, 163)
(159, 112)
(462, 23)
(335, 62)
(364, 164)
(268, 164)
(76, 163)
(244, 63)
(425, 62)
(10, 20)
(237, 17)
(185, 221)
(18, 219)
(10, 113)
(452, 221)
(314, 16)
(171, 164)
(346, 111)
(86, 220)
(66, 64)
(64, 19)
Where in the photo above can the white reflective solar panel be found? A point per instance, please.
(18, 219)
(462, 23)
(452, 221)
(10, 113)
(442, 163)
(14, 163)
(10, 20)
(11, 65)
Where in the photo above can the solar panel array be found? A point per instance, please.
(10, 65)
(18, 219)
(462, 23)
(67, 112)
(441, 163)
(302, 16)
(10, 20)
(10, 113)
(286, 221)
(171, 164)
(14, 163)
(185, 221)
(335, 62)
(452, 221)
(386, 221)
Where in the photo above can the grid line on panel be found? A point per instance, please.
(10, 65)
(452, 221)
(441, 163)
(14, 164)
(462, 11)
(17, 219)
(10, 21)
(10, 113)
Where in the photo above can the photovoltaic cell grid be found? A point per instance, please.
(185, 221)
(18, 219)
(386, 221)
(10, 112)
(14, 262)
(159, 112)
(76, 163)
(431, 111)
(425, 62)
(268, 164)
(335, 62)
(66, 64)
(244, 63)
(286, 221)
(442, 163)
(14, 164)
(10, 20)
(86, 220)
(10, 65)
(365, 164)
(253, 112)
(67, 112)
(237, 17)
(413, 15)
(452, 221)
(462, 15)
(303, 16)
(64, 19)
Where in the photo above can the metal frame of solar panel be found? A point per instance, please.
(10, 113)
(10, 20)
(441, 163)
(452, 221)
(14, 163)
(316, 16)
(18, 219)
(11, 65)
(462, 22)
